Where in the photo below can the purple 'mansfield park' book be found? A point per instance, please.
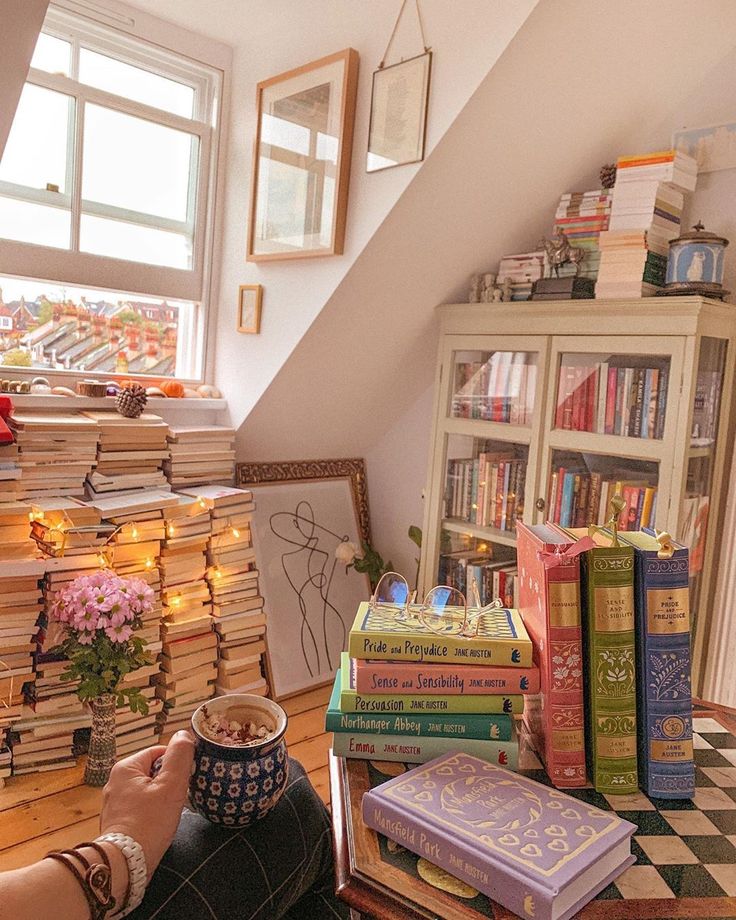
(535, 850)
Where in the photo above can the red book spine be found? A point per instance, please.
(561, 398)
(558, 502)
(498, 508)
(556, 721)
(611, 401)
(592, 399)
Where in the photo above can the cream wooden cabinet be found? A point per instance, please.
(544, 410)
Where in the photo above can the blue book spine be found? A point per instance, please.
(644, 432)
(664, 717)
(568, 489)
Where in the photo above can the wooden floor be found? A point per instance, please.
(46, 811)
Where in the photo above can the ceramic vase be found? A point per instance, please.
(101, 757)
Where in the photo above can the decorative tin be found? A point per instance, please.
(695, 264)
(237, 786)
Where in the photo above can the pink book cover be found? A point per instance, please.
(393, 677)
(549, 602)
(533, 849)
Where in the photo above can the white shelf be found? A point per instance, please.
(71, 403)
(610, 444)
(491, 431)
(491, 534)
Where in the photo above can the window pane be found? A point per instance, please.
(51, 54)
(34, 223)
(51, 327)
(122, 240)
(137, 165)
(38, 151)
(135, 83)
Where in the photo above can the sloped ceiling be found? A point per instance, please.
(21, 23)
(578, 85)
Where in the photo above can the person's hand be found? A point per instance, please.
(146, 809)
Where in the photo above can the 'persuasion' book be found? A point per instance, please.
(535, 850)
(412, 677)
(457, 725)
(664, 701)
(501, 640)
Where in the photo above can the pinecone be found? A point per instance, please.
(131, 401)
(608, 175)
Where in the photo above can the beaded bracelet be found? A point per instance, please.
(96, 883)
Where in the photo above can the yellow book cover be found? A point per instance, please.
(501, 639)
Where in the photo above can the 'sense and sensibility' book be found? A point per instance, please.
(501, 639)
(549, 599)
(665, 709)
(535, 850)
(607, 583)
(411, 677)
(457, 725)
(351, 701)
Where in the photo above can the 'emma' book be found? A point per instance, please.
(501, 640)
(533, 849)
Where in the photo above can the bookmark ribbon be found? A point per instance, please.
(563, 557)
(666, 546)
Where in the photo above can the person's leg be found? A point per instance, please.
(255, 874)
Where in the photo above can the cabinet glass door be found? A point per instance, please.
(495, 386)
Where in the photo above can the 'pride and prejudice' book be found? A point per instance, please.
(501, 640)
(533, 849)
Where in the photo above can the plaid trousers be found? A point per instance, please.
(281, 867)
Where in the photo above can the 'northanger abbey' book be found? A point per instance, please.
(533, 849)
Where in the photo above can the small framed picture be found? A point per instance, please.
(249, 308)
(398, 123)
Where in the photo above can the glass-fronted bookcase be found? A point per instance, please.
(546, 410)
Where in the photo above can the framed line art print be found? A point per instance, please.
(301, 161)
(249, 308)
(398, 125)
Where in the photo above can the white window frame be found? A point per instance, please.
(136, 38)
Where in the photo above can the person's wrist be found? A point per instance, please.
(134, 856)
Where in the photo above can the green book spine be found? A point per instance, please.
(608, 621)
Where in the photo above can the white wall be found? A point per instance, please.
(576, 87)
(21, 22)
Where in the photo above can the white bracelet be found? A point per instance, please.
(137, 871)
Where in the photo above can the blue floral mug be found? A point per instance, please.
(236, 786)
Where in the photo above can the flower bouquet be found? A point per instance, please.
(98, 615)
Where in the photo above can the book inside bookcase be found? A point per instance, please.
(496, 386)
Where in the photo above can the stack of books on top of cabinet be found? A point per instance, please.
(582, 216)
(648, 199)
(203, 455)
(130, 453)
(406, 694)
(609, 619)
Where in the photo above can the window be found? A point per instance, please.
(106, 205)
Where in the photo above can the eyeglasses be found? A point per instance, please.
(444, 610)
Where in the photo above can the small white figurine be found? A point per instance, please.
(475, 289)
(489, 280)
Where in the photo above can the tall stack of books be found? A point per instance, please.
(130, 455)
(55, 452)
(200, 456)
(189, 652)
(522, 270)
(15, 531)
(487, 490)
(648, 199)
(582, 216)
(20, 609)
(237, 606)
(624, 395)
(404, 693)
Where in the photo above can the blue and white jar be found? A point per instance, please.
(695, 264)
(236, 786)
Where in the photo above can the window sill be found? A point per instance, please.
(71, 403)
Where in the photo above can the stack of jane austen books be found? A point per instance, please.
(237, 606)
(203, 455)
(405, 693)
(130, 455)
(189, 653)
(56, 452)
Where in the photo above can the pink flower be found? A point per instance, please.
(119, 633)
(85, 638)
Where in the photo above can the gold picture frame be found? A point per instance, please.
(301, 160)
(250, 298)
(304, 511)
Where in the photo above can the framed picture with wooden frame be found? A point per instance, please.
(301, 160)
(250, 297)
(304, 511)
